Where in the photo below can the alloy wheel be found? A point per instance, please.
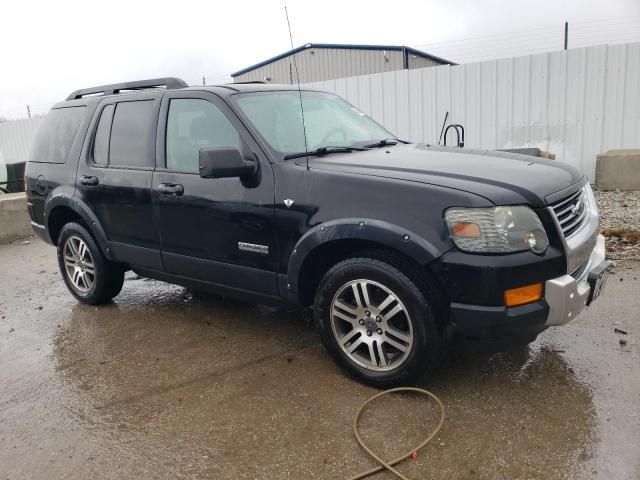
(371, 325)
(78, 264)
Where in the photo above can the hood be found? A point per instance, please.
(501, 177)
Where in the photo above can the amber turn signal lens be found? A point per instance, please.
(465, 229)
(522, 295)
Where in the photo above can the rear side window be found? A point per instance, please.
(56, 135)
(132, 138)
(101, 142)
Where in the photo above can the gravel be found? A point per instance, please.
(620, 223)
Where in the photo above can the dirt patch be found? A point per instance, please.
(623, 244)
(627, 235)
(620, 223)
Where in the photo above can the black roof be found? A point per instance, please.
(343, 46)
(256, 87)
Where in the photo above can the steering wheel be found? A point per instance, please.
(332, 132)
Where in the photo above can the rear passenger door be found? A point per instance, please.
(114, 177)
(204, 222)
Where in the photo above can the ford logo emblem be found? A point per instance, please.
(577, 208)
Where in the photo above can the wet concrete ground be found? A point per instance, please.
(164, 383)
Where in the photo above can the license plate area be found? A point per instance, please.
(597, 279)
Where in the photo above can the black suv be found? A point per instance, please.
(282, 196)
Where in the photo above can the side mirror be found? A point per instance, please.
(224, 163)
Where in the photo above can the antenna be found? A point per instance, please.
(295, 65)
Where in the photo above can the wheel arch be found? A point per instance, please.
(331, 242)
(63, 209)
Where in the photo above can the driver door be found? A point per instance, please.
(205, 223)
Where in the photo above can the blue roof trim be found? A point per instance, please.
(420, 53)
(394, 48)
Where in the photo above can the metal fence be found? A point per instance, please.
(574, 103)
(16, 138)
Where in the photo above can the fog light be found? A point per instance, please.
(522, 295)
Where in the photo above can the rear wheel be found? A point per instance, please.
(89, 276)
(377, 318)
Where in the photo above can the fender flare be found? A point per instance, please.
(82, 209)
(380, 232)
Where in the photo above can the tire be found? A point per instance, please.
(90, 277)
(421, 322)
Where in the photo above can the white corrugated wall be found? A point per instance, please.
(16, 138)
(574, 103)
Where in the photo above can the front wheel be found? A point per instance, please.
(89, 276)
(377, 319)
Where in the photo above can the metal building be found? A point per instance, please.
(322, 61)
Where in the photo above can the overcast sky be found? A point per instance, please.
(49, 48)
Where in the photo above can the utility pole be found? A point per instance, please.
(203, 82)
(29, 111)
(566, 35)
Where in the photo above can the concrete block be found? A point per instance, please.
(15, 222)
(618, 170)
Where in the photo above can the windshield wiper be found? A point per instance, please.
(324, 151)
(385, 142)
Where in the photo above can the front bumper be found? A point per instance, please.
(564, 298)
(567, 296)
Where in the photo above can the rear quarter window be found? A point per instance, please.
(101, 142)
(56, 135)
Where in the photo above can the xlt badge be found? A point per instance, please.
(253, 247)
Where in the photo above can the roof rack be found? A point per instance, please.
(169, 83)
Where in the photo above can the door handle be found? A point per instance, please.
(89, 181)
(171, 189)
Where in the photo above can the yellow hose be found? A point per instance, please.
(389, 465)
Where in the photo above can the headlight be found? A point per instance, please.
(496, 230)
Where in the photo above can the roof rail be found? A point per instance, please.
(169, 83)
(247, 82)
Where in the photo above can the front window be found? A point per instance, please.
(193, 124)
(328, 120)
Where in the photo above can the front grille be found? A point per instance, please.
(571, 212)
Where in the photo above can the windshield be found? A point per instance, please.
(329, 121)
